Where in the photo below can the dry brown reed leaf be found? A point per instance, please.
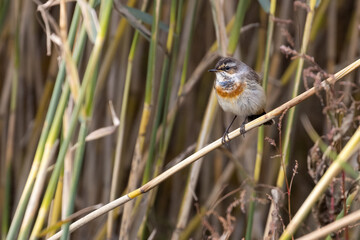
(105, 131)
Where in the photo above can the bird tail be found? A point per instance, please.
(270, 122)
(252, 117)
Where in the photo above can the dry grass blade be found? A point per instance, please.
(352, 218)
(132, 20)
(105, 131)
(68, 219)
(351, 147)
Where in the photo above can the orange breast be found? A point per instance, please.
(230, 93)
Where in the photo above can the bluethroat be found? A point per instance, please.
(239, 91)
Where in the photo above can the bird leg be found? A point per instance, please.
(226, 133)
(242, 127)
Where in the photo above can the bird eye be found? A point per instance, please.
(227, 68)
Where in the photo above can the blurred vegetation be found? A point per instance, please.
(99, 97)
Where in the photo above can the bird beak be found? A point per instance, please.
(213, 70)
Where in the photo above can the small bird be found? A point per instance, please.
(239, 91)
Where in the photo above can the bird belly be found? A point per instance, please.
(250, 102)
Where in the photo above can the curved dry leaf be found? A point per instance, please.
(105, 131)
(91, 21)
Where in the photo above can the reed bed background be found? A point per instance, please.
(100, 97)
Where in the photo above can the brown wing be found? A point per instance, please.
(255, 76)
(251, 74)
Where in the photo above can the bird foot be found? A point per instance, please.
(242, 130)
(225, 141)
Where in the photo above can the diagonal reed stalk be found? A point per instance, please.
(106, 7)
(212, 146)
(291, 114)
(260, 140)
(111, 53)
(44, 153)
(192, 9)
(145, 118)
(55, 211)
(328, 152)
(79, 154)
(121, 130)
(152, 58)
(152, 153)
(9, 154)
(206, 125)
(350, 148)
(211, 108)
(332, 227)
(44, 145)
(75, 177)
